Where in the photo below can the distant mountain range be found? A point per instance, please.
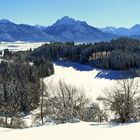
(133, 31)
(65, 29)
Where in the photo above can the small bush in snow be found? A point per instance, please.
(68, 102)
(93, 113)
(14, 122)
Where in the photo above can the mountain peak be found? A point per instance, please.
(108, 29)
(66, 20)
(5, 21)
(40, 26)
(136, 26)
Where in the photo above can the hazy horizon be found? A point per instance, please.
(98, 13)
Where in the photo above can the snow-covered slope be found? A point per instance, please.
(78, 131)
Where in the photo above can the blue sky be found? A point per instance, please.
(98, 13)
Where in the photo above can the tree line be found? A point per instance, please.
(119, 54)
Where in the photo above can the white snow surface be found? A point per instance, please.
(92, 81)
(19, 45)
(76, 131)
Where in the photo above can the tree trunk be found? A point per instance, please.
(41, 102)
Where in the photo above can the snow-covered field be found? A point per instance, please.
(93, 81)
(19, 45)
(77, 131)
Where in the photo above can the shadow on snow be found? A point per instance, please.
(111, 124)
(102, 74)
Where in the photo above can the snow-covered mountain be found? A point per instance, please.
(116, 31)
(108, 29)
(5, 21)
(133, 31)
(69, 29)
(40, 26)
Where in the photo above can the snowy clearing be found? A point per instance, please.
(93, 81)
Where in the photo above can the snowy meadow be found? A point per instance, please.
(19, 45)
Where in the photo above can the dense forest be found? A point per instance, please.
(119, 54)
(20, 86)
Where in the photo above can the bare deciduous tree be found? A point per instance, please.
(122, 99)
